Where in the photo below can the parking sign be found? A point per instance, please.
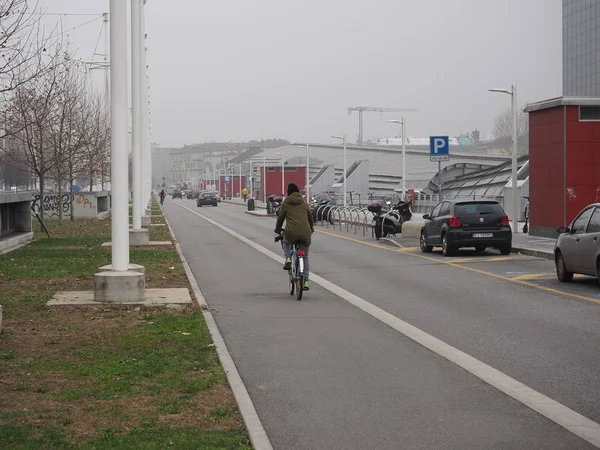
(439, 148)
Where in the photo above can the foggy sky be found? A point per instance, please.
(241, 69)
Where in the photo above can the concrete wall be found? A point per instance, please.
(85, 205)
(15, 213)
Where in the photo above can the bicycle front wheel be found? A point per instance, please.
(291, 281)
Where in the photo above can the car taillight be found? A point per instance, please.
(201, 198)
(455, 222)
(504, 220)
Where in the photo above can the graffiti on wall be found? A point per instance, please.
(571, 194)
(52, 204)
(86, 202)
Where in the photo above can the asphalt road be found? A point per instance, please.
(324, 374)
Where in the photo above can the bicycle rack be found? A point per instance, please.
(354, 209)
(365, 225)
(357, 223)
(331, 215)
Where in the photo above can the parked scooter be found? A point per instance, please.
(320, 209)
(276, 201)
(388, 219)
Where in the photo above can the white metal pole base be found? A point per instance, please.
(119, 287)
(130, 268)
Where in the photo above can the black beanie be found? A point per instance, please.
(292, 188)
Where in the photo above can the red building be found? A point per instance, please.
(296, 175)
(564, 161)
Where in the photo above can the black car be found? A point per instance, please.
(456, 224)
(207, 198)
(177, 194)
(190, 195)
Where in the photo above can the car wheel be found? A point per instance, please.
(480, 248)
(446, 249)
(506, 249)
(423, 243)
(561, 269)
(199, 205)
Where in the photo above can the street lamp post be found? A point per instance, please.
(343, 138)
(513, 104)
(119, 159)
(307, 188)
(264, 179)
(136, 118)
(403, 123)
(282, 172)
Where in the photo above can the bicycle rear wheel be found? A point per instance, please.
(299, 278)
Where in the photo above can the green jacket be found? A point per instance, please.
(299, 220)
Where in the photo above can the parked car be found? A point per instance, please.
(207, 198)
(577, 248)
(457, 224)
(177, 194)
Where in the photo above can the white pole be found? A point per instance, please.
(307, 176)
(265, 178)
(119, 113)
(345, 170)
(136, 119)
(282, 175)
(514, 162)
(106, 67)
(146, 152)
(403, 158)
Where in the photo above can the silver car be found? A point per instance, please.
(577, 248)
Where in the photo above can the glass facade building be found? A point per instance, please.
(581, 48)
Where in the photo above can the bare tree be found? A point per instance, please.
(23, 45)
(503, 130)
(95, 152)
(28, 119)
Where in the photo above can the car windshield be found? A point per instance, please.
(474, 208)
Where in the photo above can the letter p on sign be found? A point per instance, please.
(439, 148)
(437, 144)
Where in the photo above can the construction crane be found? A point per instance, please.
(361, 109)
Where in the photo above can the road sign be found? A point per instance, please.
(226, 180)
(439, 148)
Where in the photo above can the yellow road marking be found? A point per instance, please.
(499, 258)
(529, 276)
(410, 252)
(357, 240)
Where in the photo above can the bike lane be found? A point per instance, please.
(323, 374)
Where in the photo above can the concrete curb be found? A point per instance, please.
(533, 252)
(256, 431)
(256, 205)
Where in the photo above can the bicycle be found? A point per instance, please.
(296, 273)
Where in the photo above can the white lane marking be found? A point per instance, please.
(256, 431)
(564, 416)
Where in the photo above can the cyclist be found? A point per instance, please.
(299, 228)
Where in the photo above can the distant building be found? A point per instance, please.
(581, 48)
